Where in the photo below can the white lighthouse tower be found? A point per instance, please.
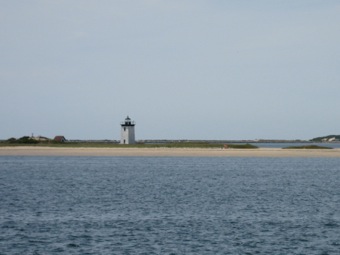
(127, 131)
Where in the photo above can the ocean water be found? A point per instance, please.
(169, 205)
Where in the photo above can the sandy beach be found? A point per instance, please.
(166, 152)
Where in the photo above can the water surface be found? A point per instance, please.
(169, 205)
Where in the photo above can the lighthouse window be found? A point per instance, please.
(124, 128)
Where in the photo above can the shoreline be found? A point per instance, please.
(167, 152)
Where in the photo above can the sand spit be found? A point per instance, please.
(166, 152)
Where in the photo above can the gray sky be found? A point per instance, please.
(182, 69)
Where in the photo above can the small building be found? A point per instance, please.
(40, 138)
(59, 139)
(127, 131)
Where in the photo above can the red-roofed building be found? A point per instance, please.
(59, 139)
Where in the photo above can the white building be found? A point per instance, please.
(127, 131)
(40, 138)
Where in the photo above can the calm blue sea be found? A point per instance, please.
(169, 205)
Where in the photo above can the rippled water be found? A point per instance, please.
(117, 205)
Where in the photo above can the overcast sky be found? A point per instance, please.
(182, 69)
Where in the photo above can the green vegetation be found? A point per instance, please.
(27, 141)
(21, 141)
(309, 147)
(241, 146)
(195, 145)
(82, 144)
(326, 138)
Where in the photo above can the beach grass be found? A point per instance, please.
(181, 144)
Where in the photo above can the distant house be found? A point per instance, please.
(59, 139)
(329, 139)
(40, 138)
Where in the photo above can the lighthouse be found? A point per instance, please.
(127, 131)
